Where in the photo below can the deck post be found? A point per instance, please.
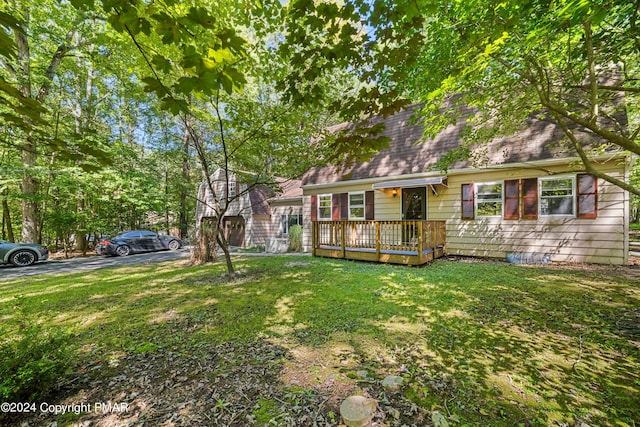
(420, 240)
(314, 237)
(343, 224)
(377, 241)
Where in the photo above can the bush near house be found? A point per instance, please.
(295, 238)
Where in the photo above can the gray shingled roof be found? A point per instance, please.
(261, 195)
(409, 152)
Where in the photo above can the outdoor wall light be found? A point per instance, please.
(394, 192)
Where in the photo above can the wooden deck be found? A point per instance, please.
(397, 242)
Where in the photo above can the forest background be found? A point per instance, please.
(114, 111)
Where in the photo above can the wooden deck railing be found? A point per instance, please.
(403, 242)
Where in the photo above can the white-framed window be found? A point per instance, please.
(356, 206)
(324, 207)
(489, 199)
(557, 196)
(287, 221)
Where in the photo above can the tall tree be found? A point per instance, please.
(31, 69)
(205, 66)
(575, 61)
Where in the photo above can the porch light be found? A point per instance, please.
(394, 192)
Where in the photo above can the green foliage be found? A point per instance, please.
(32, 361)
(295, 238)
(573, 63)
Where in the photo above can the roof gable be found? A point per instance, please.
(409, 152)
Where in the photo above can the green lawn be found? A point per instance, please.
(485, 344)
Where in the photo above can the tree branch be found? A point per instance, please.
(621, 141)
(593, 79)
(613, 88)
(54, 64)
(588, 164)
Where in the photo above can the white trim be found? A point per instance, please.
(475, 199)
(533, 165)
(410, 183)
(574, 195)
(320, 218)
(364, 206)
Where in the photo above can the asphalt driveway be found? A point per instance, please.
(76, 265)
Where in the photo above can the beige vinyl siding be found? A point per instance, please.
(600, 240)
(259, 230)
(278, 210)
(564, 238)
(306, 224)
(241, 206)
(387, 207)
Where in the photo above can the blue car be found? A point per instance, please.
(22, 254)
(137, 241)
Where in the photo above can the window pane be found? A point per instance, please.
(557, 206)
(356, 199)
(356, 212)
(556, 196)
(490, 190)
(490, 209)
(553, 184)
(356, 206)
(489, 199)
(324, 207)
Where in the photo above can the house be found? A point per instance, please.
(520, 197)
(256, 212)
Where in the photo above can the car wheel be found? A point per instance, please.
(123, 250)
(22, 258)
(174, 245)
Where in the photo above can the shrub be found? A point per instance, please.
(31, 363)
(295, 238)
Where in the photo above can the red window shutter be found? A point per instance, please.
(335, 207)
(344, 206)
(587, 196)
(512, 199)
(314, 207)
(369, 205)
(468, 203)
(530, 198)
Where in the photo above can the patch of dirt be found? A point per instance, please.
(259, 383)
(71, 254)
(630, 271)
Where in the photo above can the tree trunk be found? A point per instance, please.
(81, 239)
(29, 185)
(29, 192)
(166, 205)
(6, 222)
(204, 249)
(224, 245)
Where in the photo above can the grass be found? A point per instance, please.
(483, 343)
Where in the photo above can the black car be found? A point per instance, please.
(136, 241)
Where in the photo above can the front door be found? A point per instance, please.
(414, 207)
(414, 203)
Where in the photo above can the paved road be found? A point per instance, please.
(76, 265)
